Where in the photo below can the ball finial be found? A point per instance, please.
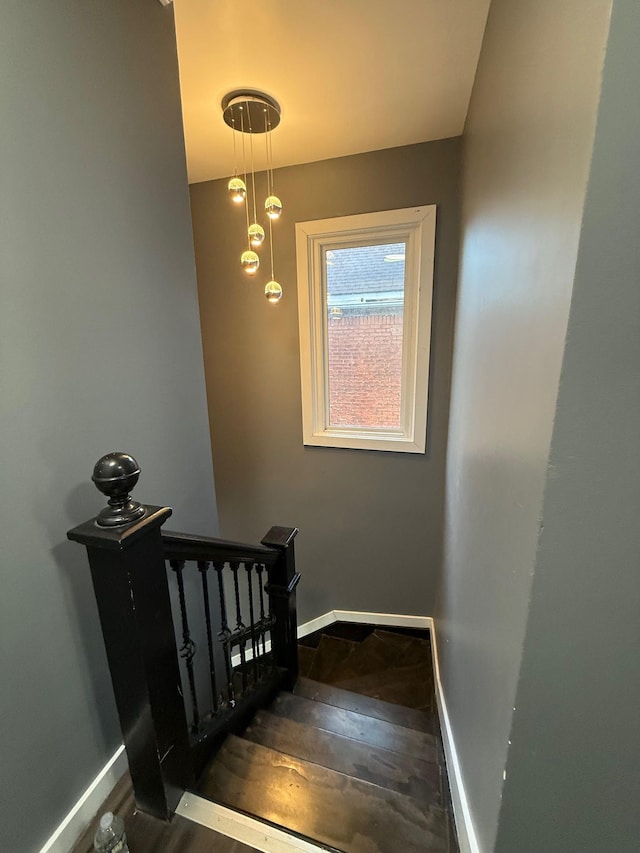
(115, 475)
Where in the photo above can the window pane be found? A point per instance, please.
(365, 307)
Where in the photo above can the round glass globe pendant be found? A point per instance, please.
(250, 262)
(273, 206)
(237, 190)
(273, 291)
(256, 235)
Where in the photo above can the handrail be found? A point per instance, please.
(189, 546)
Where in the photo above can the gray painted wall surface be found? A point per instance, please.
(572, 772)
(370, 522)
(528, 142)
(99, 350)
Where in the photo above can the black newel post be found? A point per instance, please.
(281, 588)
(126, 557)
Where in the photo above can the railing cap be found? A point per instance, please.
(280, 537)
(188, 546)
(93, 535)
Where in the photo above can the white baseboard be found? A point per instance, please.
(393, 620)
(86, 809)
(253, 832)
(317, 624)
(467, 838)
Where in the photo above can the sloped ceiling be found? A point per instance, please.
(349, 75)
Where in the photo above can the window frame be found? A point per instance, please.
(416, 225)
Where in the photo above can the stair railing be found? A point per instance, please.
(178, 694)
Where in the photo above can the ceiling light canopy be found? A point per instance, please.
(251, 107)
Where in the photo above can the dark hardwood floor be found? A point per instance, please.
(390, 679)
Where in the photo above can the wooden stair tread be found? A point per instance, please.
(410, 718)
(416, 650)
(392, 636)
(356, 726)
(410, 686)
(348, 814)
(379, 651)
(401, 773)
(331, 652)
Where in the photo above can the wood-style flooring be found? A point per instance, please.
(358, 742)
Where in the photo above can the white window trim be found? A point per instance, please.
(416, 225)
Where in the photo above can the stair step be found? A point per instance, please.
(402, 773)
(348, 814)
(381, 650)
(331, 652)
(401, 638)
(414, 649)
(411, 686)
(356, 726)
(336, 696)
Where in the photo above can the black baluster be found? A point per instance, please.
(225, 633)
(203, 567)
(263, 629)
(271, 622)
(239, 625)
(252, 627)
(188, 648)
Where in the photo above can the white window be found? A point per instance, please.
(364, 301)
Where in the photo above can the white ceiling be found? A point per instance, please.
(349, 75)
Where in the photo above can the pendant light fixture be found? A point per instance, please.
(249, 259)
(272, 205)
(236, 186)
(248, 112)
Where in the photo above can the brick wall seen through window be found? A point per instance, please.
(365, 297)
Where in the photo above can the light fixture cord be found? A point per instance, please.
(244, 169)
(271, 192)
(253, 173)
(266, 145)
(235, 153)
(268, 141)
(271, 247)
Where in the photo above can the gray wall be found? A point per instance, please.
(572, 772)
(527, 147)
(370, 522)
(99, 350)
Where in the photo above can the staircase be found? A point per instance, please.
(352, 759)
(349, 757)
